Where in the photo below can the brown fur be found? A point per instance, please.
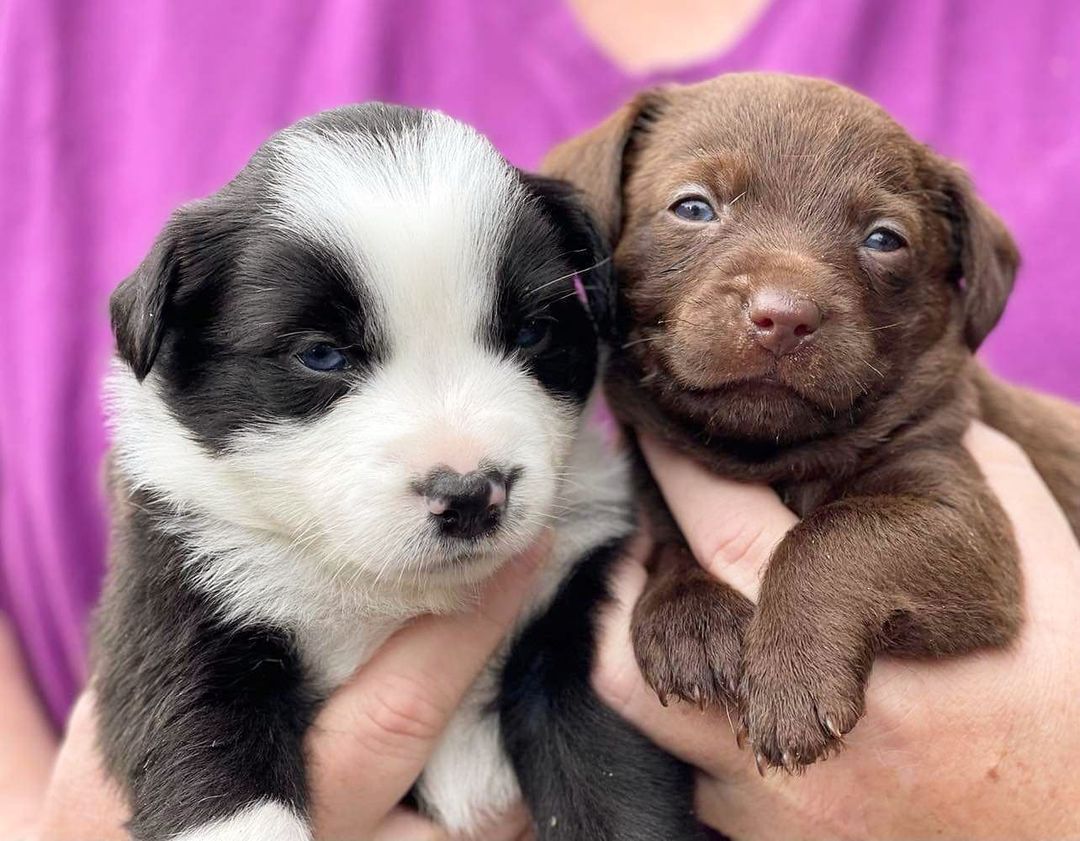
(902, 548)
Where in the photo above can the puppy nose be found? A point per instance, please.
(782, 322)
(466, 506)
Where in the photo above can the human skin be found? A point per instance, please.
(374, 735)
(27, 743)
(976, 747)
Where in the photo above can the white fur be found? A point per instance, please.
(266, 821)
(422, 225)
(315, 525)
(468, 779)
(421, 220)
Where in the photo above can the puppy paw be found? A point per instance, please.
(796, 703)
(688, 637)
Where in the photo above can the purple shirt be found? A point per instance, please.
(113, 112)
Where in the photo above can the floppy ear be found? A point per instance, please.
(579, 238)
(594, 161)
(138, 306)
(987, 257)
(193, 248)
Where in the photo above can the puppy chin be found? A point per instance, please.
(751, 411)
(742, 391)
(438, 564)
(475, 559)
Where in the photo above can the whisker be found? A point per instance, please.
(595, 265)
(643, 341)
(872, 368)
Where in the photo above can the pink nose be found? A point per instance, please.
(780, 322)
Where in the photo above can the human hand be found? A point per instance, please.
(367, 746)
(973, 747)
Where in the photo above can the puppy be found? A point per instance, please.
(350, 386)
(802, 286)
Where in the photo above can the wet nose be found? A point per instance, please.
(466, 506)
(780, 322)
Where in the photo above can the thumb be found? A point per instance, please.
(373, 737)
(730, 527)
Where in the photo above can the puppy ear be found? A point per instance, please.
(580, 240)
(192, 249)
(594, 161)
(987, 257)
(138, 306)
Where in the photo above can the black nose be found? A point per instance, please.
(466, 506)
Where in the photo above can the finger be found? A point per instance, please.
(375, 734)
(1037, 518)
(705, 739)
(731, 527)
(405, 825)
(82, 801)
(1043, 533)
(513, 825)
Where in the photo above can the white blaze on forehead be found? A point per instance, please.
(420, 216)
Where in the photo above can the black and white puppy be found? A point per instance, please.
(350, 386)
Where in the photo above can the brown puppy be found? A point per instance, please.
(802, 287)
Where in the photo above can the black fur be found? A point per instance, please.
(219, 340)
(583, 246)
(585, 773)
(199, 717)
(196, 715)
(552, 241)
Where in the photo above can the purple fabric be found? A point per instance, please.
(112, 112)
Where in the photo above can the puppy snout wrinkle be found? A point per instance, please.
(466, 505)
(780, 322)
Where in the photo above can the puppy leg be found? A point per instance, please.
(584, 772)
(913, 566)
(687, 630)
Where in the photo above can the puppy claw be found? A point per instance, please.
(791, 764)
(690, 662)
(662, 696)
(833, 730)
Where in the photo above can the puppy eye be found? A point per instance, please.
(882, 239)
(322, 357)
(534, 335)
(694, 209)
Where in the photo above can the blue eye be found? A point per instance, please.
(882, 239)
(694, 209)
(323, 357)
(534, 335)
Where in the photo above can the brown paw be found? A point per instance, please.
(796, 703)
(688, 637)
